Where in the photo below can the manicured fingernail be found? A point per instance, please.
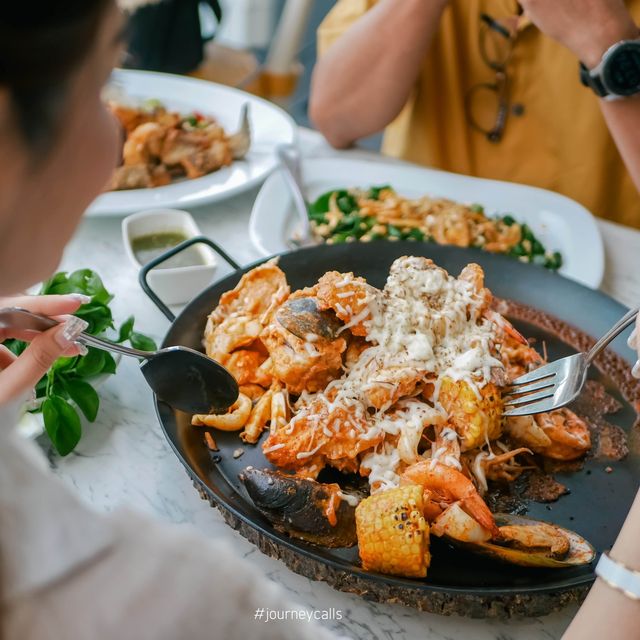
(82, 348)
(631, 340)
(71, 329)
(81, 297)
(635, 372)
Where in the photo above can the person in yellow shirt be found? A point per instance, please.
(492, 88)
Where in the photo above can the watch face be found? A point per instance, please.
(621, 72)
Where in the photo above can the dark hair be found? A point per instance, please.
(41, 45)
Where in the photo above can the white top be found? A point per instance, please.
(70, 573)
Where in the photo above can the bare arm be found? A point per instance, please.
(364, 79)
(607, 613)
(623, 120)
(588, 28)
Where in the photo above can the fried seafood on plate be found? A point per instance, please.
(402, 386)
(160, 145)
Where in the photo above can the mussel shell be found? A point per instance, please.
(580, 551)
(302, 317)
(298, 506)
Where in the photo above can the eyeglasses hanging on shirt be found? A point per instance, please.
(488, 104)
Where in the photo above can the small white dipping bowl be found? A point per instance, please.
(175, 285)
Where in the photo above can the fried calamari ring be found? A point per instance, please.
(233, 420)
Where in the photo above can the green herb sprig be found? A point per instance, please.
(67, 385)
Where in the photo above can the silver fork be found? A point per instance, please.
(558, 383)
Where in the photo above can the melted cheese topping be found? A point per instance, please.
(425, 323)
(434, 321)
(382, 467)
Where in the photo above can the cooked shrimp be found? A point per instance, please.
(505, 326)
(144, 144)
(560, 434)
(446, 485)
(569, 434)
(474, 274)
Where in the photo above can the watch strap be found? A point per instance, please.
(592, 81)
(619, 577)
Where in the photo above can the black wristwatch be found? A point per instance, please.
(617, 75)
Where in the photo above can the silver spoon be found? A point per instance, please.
(289, 159)
(183, 378)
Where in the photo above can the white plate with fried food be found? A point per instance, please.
(552, 230)
(181, 142)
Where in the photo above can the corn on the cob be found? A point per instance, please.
(393, 536)
(475, 419)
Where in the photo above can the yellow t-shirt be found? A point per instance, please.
(559, 142)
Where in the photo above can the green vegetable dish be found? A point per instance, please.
(67, 388)
(350, 215)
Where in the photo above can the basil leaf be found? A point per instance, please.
(91, 364)
(346, 203)
(49, 285)
(321, 204)
(62, 424)
(85, 396)
(415, 234)
(394, 232)
(56, 388)
(97, 315)
(142, 342)
(41, 387)
(90, 283)
(125, 329)
(65, 364)
(15, 346)
(374, 192)
(109, 363)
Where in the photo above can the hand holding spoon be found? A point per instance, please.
(183, 378)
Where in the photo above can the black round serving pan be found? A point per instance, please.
(600, 493)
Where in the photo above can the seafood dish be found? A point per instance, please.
(160, 145)
(380, 412)
(379, 212)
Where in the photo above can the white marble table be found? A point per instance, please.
(124, 460)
